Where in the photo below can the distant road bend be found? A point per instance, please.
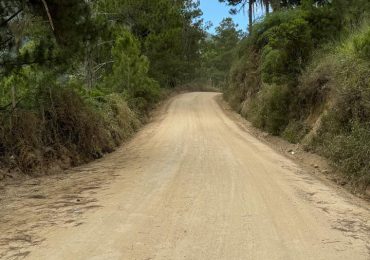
(197, 186)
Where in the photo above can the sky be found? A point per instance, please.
(214, 11)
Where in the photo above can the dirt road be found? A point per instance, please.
(192, 185)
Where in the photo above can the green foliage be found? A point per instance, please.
(285, 39)
(79, 77)
(122, 121)
(349, 150)
(171, 43)
(130, 73)
(58, 40)
(269, 109)
(245, 76)
(62, 126)
(279, 47)
(218, 52)
(325, 24)
(295, 131)
(304, 72)
(340, 77)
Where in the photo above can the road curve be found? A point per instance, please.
(196, 186)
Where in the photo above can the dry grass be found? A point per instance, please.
(65, 130)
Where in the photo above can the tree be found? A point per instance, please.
(275, 4)
(69, 26)
(129, 72)
(171, 43)
(251, 7)
(219, 50)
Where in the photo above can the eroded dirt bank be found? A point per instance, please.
(190, 185)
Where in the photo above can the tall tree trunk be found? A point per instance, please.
(267, 6)
(48, 13)
(250, 15)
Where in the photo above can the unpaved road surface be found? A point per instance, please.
(190, 185)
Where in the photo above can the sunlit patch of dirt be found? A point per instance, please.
(31, 205)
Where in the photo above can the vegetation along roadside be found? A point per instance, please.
(303, 73)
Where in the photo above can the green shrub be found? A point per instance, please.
(302, 63)
(325, 23)
(130, 74)
(119, 119)
(349, 150)
(316, 83)
(279, 48)
(270, 108)
(276, 52)
(245, 76)
(344, 135)
(295, 131)
(285, 42)
(144, 96)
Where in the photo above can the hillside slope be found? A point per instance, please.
(304, 74)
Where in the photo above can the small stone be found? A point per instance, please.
(316, 166)
(293, 153)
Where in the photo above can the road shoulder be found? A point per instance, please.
(312, 163)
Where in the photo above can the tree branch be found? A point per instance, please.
(5, 42)
(48, 13)
(11, 17)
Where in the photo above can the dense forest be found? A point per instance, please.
(80, 77)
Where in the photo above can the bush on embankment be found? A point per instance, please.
(64, 130)
(344, 133)
(304, 74)
(75, 81)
